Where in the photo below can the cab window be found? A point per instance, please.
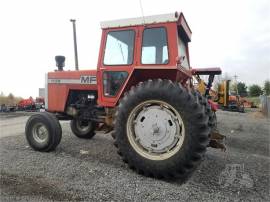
(154, 46)
(182, 52)
(113, 81)
(119, 48)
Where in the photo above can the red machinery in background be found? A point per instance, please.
(31, 104)
(26, 104)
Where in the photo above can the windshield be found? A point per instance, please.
(119, 48)
(182, 52)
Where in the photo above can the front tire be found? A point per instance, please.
(43, 132)
(173, 130)
(83, 129)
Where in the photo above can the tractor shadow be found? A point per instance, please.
(100, 149)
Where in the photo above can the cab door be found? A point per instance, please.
(116, 63)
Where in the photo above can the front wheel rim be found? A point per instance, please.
(155, 130)
(40, 133)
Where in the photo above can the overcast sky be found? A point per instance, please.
(231, 34)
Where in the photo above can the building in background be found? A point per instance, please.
(41, 92)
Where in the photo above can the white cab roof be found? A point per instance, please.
(171, 17)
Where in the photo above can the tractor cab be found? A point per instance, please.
(131, 47)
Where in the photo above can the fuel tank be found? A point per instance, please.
(58, 85)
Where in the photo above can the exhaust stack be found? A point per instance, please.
(75, 43)
(60, 62)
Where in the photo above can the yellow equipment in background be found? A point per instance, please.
(222, 97)
(223, 93)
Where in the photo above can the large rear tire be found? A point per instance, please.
(212, 122)
(161, 130)
(83, 129)
(43, 132)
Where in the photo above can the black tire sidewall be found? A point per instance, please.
(183, 161)
(58, 128)
(54, 135)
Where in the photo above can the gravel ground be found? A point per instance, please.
(91, 170)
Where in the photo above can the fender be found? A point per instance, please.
(140, 74)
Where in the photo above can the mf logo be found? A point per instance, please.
(88, 79)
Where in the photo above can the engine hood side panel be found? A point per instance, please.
(61, 82)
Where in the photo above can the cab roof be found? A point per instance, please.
(147, 20)
(154, 19)
(170, 17)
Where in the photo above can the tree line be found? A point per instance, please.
(9, 100)
(253, 90)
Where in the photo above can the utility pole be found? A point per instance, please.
(75, 44)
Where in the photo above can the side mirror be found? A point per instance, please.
(60, 62)
(179, 60)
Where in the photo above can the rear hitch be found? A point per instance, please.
(217, 140)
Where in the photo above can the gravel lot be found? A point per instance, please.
(91, 170)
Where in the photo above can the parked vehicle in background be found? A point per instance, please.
(31, 104)
(39, 103)
(26, 104)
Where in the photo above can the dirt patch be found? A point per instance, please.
(257, 114)
(30, 186)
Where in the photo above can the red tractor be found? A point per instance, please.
(141, 91)
(26, 104)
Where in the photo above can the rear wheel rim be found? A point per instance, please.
(40, 133)
(155, 130)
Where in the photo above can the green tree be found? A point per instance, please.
(255, 90)
(232, 87)
(266, 87)
(242, 89)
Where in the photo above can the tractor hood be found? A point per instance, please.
(73, 77)
(58, 84)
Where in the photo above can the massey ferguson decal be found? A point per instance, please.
(87, 79)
